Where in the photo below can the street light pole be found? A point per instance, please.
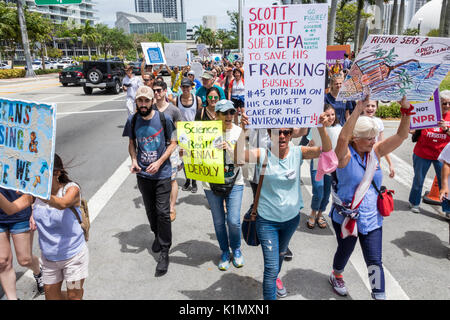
(26, 45)
(240, 26)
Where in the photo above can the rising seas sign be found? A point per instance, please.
(199, 141)
(27, 146)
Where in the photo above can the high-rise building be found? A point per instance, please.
(210, 22)
(169, 8)
(79, 13)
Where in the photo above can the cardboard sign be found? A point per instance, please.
(202, 50)
(428, 113)
(389, 67)
(202, 160)
(198, 69)
(285, 55)
(27, 146)
(176, 54)
(153, 53)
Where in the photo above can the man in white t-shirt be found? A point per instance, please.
(130, 85)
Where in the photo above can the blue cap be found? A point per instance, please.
(224, 105)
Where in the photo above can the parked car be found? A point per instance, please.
(4, 65)
(103, 75)
(37, 65)
(71, 74)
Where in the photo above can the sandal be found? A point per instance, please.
(321, 222)
(311, 225)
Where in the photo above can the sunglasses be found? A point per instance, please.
(285, 132)
(228, 112)
(446, 103)
(213, 97)
(158, 90)
(145, 80)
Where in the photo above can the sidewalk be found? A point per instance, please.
(21, 80)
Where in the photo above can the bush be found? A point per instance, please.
(12, 73)
(389, 111)
(46, 71)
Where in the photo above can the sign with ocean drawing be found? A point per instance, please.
(389, 67)
(27, 146)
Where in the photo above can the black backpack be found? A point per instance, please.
(162, 118)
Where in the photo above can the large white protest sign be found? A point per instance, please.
(27, 146)
(153, 53)
(389, 67)
(202, 50)
(176, 54)
(198, 69)
(285, 55)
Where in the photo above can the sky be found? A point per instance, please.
(194, 10)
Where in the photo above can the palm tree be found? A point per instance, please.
(332, 22)
(444, 23)
(26, 45)
(89, 37)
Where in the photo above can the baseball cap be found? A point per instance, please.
(207, 75)
(186, 82)
(224, 105)
(145, 91)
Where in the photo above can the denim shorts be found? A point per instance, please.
(446, 205)
(15, 227)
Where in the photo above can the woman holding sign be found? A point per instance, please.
(429, 145)
(229, 194)
(280, 199)
(65, 254)
(355, 212)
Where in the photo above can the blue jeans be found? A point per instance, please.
(371, 245)
(274, 238)
(321, 191)
(421, 167)
(232, 238)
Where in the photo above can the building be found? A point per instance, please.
(79, 13)
(147, 22)
(210, 22)
(168, 8)
(427, 17)
(190, 34)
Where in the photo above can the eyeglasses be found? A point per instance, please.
(145, 80)
(228, 112)
(285, 132)
(213, 97)
(157, 90)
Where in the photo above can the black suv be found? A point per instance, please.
(104, 75)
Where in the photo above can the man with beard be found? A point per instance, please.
(150, 146)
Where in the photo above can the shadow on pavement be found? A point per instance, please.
(196, 253)
(136, 240)
(230, 286)
(401, 205)
(310, 284)
(421, 242)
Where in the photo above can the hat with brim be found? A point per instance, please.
(145, 92)
(186, 83)
(224, 106)
(207, 75)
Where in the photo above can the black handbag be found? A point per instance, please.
(248, 224)
(223, 190)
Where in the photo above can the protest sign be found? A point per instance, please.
(27, 146)
(202, 50)
(389, 67)
(285, 54)
(176, 54)
(202, 160)
(153, 53)
(428, 113)
(198, 69)
(337, 52)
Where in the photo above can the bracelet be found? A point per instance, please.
(446, 130)
(407, 112)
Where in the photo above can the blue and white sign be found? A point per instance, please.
(153, 53)
(27, 146)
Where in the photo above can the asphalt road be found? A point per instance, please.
(122, 265)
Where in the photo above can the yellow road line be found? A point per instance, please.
(35, 88)
(19, 86)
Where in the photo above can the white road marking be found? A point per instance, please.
(91, 111)
(393, 289)
(26, 285)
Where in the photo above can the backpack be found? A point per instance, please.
(84, 221)
(162, 118)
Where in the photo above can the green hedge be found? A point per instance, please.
(389, 111)
(46, 71)
(12, 73)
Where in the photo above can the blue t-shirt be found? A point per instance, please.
(201, 92)
(20, 216)
(339, 106)
(197, 83)
(281, 197)
(151, 144)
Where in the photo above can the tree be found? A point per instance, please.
(40, 29)
(24, 35)
(89, 37)
(411, 32)
(392, 27)
(444, 21)
(401, 17)
(345, 23)
(332, 22)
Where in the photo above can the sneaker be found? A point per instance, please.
(288, 256)
(224, 263)
(281, 290)
(186, 186)
(238, 259)
(338, 284)
(378, 295)
(163, 264)
(194, 188)
(414, 209)
(39, 282)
